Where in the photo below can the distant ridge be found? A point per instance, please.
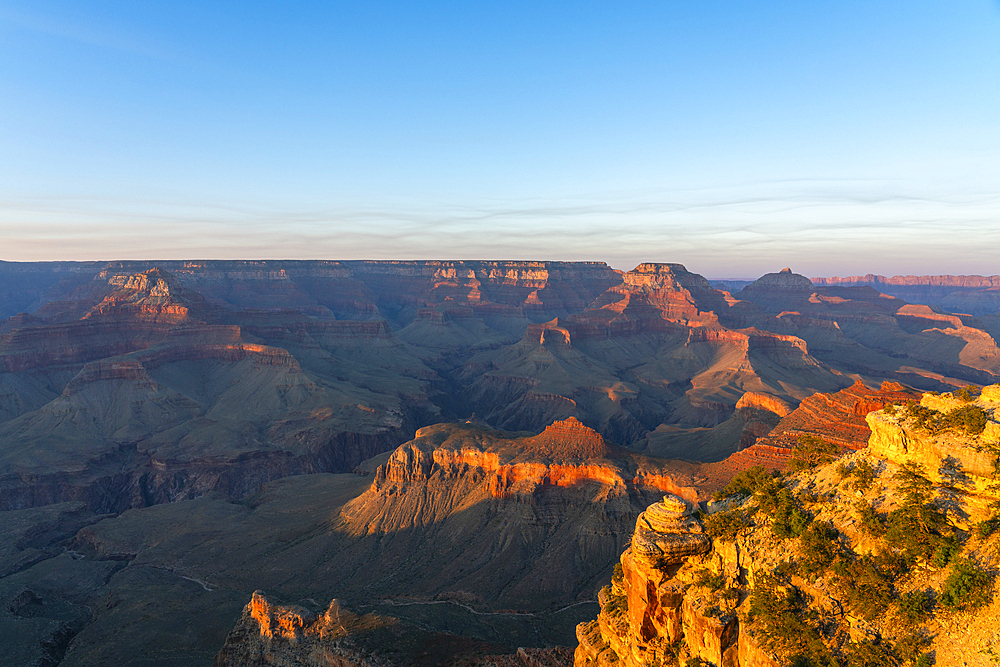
(974, 294)
(934, 281)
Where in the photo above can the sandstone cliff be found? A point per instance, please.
(826, 567)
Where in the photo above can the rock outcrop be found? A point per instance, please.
(952, 456)
(290, 635)
(648, 608)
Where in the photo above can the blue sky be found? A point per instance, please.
(735, 137)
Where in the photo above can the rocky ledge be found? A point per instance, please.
(290, 635)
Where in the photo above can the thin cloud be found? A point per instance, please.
(115, 38)
(826, 227)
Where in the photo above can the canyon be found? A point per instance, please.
(449, 449)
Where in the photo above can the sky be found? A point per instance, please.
(737, 138)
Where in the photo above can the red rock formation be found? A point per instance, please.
(569, 439)
(272, 634)
(566, 454)
(753, 399)
(838, 417)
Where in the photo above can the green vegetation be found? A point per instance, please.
(786, 624)
(968, 394)
(910, 648)
(788, 518)
(863, 472)
(969, 419)
(864, 475)
(712, 582)
(819, 547)
(747, 483)
(866, 654)
(967, 587)
(987, 527)
(990, 525)
(614, 605)
(866, 582)
(871, 522)
(726, 525)
(812, 452)
(916, 527)
(948, 547)
(913, 607)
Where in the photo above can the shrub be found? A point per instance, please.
(986, 528)
(916, 526)
(913, 482)
(747, 483)
(866, 583)
(811, 452)
(864, 475)
(613, 604)
(726, 525)
(910, 647)
(913, 607)
(786, 624)
(713, 582)
(967, 587)
(970, 419)
(968, 394)
(819, 547)
(866, 654)
(731, 594)
(871, 522)
(947, 549)
(789, 520)
(924, 418)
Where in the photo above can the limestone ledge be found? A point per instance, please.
(950, 457)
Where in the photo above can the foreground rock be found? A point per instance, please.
(647, 611)
(838, 574)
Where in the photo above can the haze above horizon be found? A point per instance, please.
(734, 137)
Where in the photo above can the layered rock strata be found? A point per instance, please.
(649, 609)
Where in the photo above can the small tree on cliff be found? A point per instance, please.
(917, 526)
(812, 452)
(786, 625)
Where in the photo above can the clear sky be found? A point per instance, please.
(735, 137)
